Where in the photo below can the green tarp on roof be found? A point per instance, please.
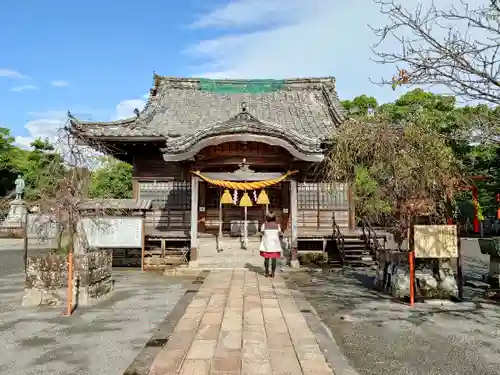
(251, 86)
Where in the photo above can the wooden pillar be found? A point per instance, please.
(202, 209)
(352, 210)
(294, 216)
(135, 189)
(285, 206)
(194, 219)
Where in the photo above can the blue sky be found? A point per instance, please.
(96, 58)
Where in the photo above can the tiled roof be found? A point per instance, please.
(181, 106)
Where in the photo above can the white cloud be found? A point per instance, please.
(296, 38)
(24, 88)
(125, 108)
(9, 73)
(48, 124)
(59, 83)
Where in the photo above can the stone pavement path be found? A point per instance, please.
(241, 323)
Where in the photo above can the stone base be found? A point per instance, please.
(47, 277)
(17, 214)
(493, 281)
(434, 278)
(82, 296)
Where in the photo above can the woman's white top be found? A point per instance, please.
(270, 242)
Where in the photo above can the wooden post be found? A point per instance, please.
(194, 219)
(460, 272)
(143, 249)
(411, 259)
(135, 189)
(475, 202)
(69, 309)
(25, 244)
(352, 209)
(294, 219)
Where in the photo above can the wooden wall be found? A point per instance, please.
(166, 184)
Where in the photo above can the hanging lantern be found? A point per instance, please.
(226, 197)
(246, 201)
(263, 198)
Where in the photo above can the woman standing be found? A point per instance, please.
(270, 246)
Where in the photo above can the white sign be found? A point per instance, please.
(114, 232)
(435, 241)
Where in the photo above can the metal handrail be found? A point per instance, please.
(340, 240)
(370, 237)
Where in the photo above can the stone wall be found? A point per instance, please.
(46, 278)
(434, 278)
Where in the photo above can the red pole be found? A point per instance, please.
(412, 278)
(475, 202)
(498, 204)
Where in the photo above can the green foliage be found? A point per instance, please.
(8, 168)
(44, 172)
(112, 180)
(360, 104)
(41, 169)
(396, 167)
(467, 131)
(368, 194)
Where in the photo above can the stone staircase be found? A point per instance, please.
(356, 252)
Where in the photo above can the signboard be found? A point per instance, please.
(114, 232)
(435, 241)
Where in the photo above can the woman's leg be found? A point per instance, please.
(273, 266)
(266, 265)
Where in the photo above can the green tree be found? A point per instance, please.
(461, 130)
(7, 164)
(41, 169)
(397, 168)
(360, 104)
(112, 180)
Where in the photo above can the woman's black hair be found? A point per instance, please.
(270, 217)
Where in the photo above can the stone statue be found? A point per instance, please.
(20, 185)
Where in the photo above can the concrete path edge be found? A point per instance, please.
(142, 362)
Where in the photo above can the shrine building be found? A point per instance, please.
(214, 155)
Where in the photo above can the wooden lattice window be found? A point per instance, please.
(321, 195)
(307, 196)
(332, 196)
(172, 195)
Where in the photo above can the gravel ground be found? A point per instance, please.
(103, 339)
(380, 336)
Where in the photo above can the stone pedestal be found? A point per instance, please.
(494, 272)
(17, 214)
(491, 247)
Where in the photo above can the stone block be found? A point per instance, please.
(47, 277)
